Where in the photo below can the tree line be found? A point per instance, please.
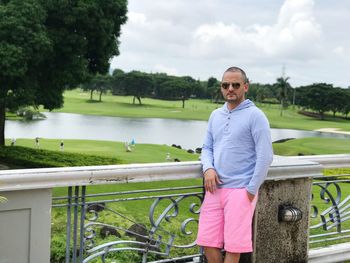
(140, 84)
(318, 97)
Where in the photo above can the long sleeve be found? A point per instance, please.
(207, 155)
(264, 152)
(238, 146)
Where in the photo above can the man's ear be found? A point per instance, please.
(246, 87)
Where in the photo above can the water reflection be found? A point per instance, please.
(187, 133)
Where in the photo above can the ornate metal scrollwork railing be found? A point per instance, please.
(330, 210)
(99, 227)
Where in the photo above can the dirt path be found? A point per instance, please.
(333, 130)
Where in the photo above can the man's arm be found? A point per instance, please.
(264, 153)
(211, 178)
(207, 155)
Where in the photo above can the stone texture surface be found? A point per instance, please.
(281, 241)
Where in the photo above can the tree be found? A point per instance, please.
(176, 88)
(283, 86)
(186, 89)
(316, 97)
(22, 35)
(200, 90)
(158, 79)
(104, 84)
(213, 88)
(346, 106)
(116, 88)
(136, 84)
(337, 100)
(100, 83)
(89, 85)
(47, 46)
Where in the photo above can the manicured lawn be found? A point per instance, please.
(152, 153)
(77, 101)
(292, 120)
(141, 153)
(310, 146)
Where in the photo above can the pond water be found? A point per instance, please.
(187, 133)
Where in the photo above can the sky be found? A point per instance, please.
(305, 40)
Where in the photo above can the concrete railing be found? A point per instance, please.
(29, 194)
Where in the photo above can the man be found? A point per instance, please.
(236, 155)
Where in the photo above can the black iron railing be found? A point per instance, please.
(150, 225)
(330, 210)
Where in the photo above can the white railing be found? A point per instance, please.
(37, 184)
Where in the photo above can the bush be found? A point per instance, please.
(29, 113)
(38, 158)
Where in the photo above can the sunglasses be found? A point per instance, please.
(226, 85)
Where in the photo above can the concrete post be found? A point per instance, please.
(25, 226)
(289, 183)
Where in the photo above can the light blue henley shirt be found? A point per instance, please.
(238, 146)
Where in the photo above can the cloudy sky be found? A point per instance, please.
(309, 39)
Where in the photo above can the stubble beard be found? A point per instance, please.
(234, 100)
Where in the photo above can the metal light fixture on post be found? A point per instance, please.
(288, 213)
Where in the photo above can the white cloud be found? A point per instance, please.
(201, 40)
(137, 19)
(340, 51)
(165, 69)
(291, 36)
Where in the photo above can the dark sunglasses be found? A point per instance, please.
(226, 85)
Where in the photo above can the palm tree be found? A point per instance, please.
(282, 86)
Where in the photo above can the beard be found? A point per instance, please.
(234, 99)
(231, 98)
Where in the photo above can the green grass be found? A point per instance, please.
(141, 153)
(12, 116)
(24, 157)
(311, 146)
(77, 101)
(292, 120)
(152, 153)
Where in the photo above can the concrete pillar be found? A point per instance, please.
(25, 226)
(288, 183)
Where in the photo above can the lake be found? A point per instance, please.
(187, 133)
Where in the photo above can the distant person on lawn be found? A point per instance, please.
(37, 145)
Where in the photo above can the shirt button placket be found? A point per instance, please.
(227, 122)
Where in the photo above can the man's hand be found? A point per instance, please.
(211, 180)
(250, 196)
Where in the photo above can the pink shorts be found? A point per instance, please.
(225, 220)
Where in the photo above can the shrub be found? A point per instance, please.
(37, 158)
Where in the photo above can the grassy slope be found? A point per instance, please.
(78, 102)
(309, 146)
(292, 120)
(142, 153)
